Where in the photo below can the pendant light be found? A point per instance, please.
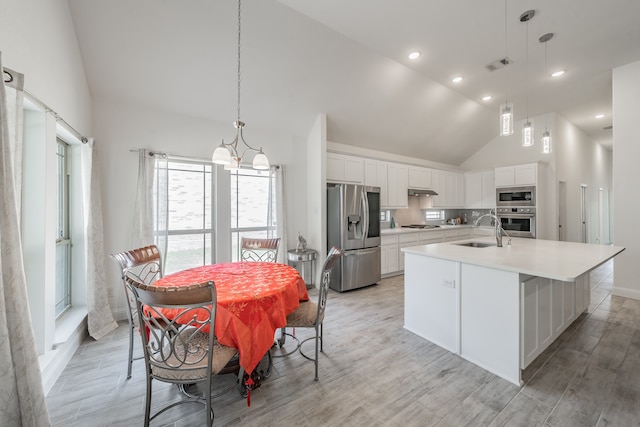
(506, 109)
(527, 129)
(546, 135)
(229, 154)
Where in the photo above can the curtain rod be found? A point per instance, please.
(59, 119)
(177, 156)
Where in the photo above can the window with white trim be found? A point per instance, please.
(253, 207)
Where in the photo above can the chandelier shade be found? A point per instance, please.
(506, 119)
(546, 142)
(527, 134)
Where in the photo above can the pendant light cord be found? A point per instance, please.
(546, 76)
(506, 52)
(526, 49)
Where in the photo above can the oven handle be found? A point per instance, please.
(516, 215)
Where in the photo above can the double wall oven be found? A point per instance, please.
(516, 208)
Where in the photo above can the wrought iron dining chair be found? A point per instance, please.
(144, 264)
(260, 250)
(310, 314)
(180, 348)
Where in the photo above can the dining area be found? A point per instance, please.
(229, 319)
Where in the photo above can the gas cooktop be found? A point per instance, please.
(420, 226)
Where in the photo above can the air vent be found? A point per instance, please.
(608, 127)
(500, 63)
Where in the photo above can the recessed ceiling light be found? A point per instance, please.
(486, 98)
(457, 79)
(414, 55)
(557, 73)
(599, 116)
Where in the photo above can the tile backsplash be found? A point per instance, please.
(415, 215)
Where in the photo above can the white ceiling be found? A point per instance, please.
(348, 59)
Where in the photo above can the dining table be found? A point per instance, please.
(253, 301)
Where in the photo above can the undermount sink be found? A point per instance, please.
(476, 244)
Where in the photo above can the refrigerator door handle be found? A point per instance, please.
(365, 215)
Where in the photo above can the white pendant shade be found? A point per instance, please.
(546, 142)
(527, 134)
(221, 155)
(260, 161)
(233, 165)
(506, 119)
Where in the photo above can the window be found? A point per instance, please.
(63, 240)
(183, 214)
(253, 207)
(431, 215)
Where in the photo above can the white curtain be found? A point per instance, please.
(100, 317)
(22, 401)
(278, 202)
(142, 230)
(150, 212)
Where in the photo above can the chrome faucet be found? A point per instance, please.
(499, 229)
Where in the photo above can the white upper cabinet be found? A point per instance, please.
(397, 181)
(516, 175)
(419, 178)
(375, 175)
(479, 189)
(450, 189)
(343, 168)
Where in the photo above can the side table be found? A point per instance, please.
(296, 257)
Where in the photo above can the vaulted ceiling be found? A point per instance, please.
(348, 59)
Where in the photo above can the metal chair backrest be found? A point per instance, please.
(178, 347)
(332, 257)
(259, 250)
(145, 265)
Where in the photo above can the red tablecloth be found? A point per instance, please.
(254, 299)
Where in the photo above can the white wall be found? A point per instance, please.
(316, 197)
(120, 127)
(626, 175)
(581, 161)
(39, 40)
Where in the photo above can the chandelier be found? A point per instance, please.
(229, 154)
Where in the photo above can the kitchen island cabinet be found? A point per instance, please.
(498, 307)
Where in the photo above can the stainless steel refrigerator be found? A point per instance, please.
(353, 225)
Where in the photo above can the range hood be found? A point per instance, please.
(419, 192)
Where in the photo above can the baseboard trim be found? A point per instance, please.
(53, 362)
(626, 292)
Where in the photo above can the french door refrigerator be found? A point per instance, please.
(353, 225)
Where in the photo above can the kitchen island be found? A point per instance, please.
(498, 307)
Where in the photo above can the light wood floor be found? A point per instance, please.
(374, 373)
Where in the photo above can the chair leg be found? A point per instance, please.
(321, 337)
(130, 364)
(316, 361)
(209, 410)
(147, 409)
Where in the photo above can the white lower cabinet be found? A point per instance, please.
(548, 307)
(434, 236)
(453, 234)
(389, 254)
(536, 316)
(404, 241)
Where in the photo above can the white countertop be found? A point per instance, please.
(544, 258)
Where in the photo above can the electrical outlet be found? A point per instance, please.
(449, 283)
